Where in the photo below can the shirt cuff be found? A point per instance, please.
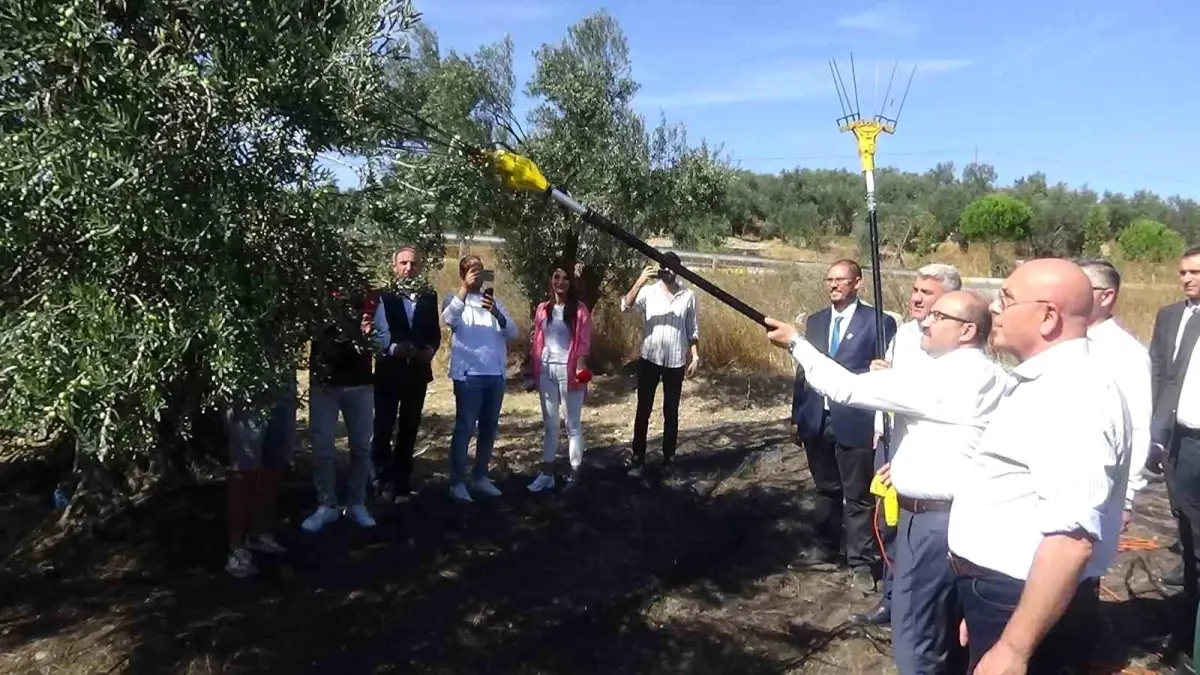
(1061, 519)
(804, 353)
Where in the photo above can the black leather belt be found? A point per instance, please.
(923, 505)
(965, 568)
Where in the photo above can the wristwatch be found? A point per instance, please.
(792, 345)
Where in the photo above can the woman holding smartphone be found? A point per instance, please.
(562, 338)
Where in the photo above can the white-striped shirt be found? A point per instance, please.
(669, 324)
(1054, 459)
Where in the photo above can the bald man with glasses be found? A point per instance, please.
(1036, 522)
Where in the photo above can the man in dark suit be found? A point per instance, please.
(1175, 430)
(402, 376)
(838, 440)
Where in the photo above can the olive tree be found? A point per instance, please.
(169, 239)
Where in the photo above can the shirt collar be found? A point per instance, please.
(962, 353)
(845, 312)
(1037, 366)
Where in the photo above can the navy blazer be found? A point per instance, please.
(425, 331)
(852, 427)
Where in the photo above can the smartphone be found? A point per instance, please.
(487, 278)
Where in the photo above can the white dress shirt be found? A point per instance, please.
(1054, 459)
(1129, 363)
(945, 406)
(846, 315)
(669, 324)
(904, 351)
(478, 345)
(1188, 409)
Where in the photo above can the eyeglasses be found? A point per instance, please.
(1007, 301)
(942, 316)
(839, 280)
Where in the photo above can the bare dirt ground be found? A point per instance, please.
(691, 574)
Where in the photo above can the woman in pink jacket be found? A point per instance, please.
(562, 338)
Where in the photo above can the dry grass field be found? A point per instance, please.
(690, 574)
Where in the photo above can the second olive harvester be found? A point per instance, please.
(865, 133)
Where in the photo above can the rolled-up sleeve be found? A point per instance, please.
(639, 301)
(1073, 469)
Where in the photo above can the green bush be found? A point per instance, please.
(1150, 241)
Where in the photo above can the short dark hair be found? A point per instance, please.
(981, 316)
(1191, 252)
(855, 268)
(465, 262)
(673, 256)
(1107, 275)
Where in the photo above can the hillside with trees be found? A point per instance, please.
(920, 211)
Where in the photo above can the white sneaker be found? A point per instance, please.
(265, 543)
(544, 481)
(358, 513)
(240, 563)
(323, 516)
(485, 486)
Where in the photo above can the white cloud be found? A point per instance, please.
(883, 18)
(788, 81)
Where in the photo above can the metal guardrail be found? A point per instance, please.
(750, 264)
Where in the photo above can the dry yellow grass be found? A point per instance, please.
(730, 341)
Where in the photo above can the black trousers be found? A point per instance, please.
(1182, 470)
(398, 409)
(648, 376)
(843, 474)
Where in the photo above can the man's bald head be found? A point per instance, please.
(1042, 303)
(958, 319)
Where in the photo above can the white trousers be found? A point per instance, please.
(553, 392)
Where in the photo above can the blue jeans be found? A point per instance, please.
(477, 401)
(357, 405)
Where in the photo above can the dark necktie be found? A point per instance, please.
(1168, 400)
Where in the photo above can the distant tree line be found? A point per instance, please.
(919, 211)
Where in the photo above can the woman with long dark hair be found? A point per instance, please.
(562, 338)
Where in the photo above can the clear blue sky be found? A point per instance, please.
(1102, 93)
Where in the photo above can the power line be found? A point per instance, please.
(844, 156)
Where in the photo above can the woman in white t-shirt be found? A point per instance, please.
(562, 337)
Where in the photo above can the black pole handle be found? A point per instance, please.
(649, 251)
(880, 336)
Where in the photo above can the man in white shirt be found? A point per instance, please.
(1036, 523)
(480, 329)
(1129, 362)
(904, 351)
(946, 402)
(670, 351)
